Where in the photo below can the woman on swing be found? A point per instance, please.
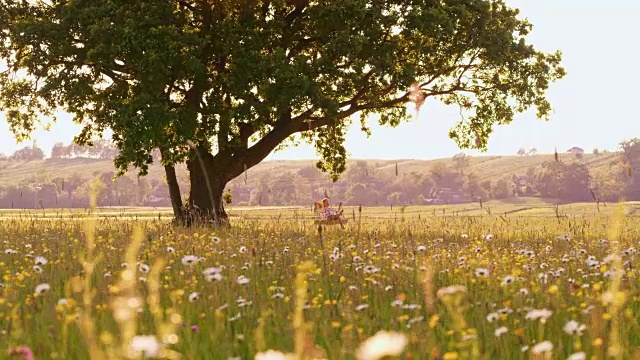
(328, 213)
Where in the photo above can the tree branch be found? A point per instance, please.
(297, 11)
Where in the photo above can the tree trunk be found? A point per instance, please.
(174, 193)
(207, 183)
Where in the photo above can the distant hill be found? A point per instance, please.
(288, 182)
(485, 167)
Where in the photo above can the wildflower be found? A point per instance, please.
(536, 314)
(482, 272)
(381, 345)
(146, 345)
(10, 252)
(507, 280)
(500, 331)
(277, 295)
(170, 249)
(215, 239)
(414, 320)
(42, 288)
(243, 249)
(144, 268)
(189, 260)
(194, 296)
(543, 347)
(214, 277)
(242, 280)
(23, 351)
(362, 307)
(40, 261)
(505, 311)
(421, 248)
(488, 237)
(37, 269)
(493, 317)
(411, 306)
(195, 328)
(574, 328)
(273, 355)
(370, 269)
(464, 236)
(577, 356)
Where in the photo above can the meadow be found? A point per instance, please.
(497, 281)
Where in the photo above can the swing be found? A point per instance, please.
(338, 219)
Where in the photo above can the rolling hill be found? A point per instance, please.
(485, 167)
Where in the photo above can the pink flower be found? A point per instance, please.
(195, 328)
(25, 351)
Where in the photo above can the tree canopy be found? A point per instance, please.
(221, 85)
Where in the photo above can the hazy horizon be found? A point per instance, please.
(593, 105)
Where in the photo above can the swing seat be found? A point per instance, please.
(320, 220)
(330, 221)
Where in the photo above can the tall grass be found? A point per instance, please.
(145, 288)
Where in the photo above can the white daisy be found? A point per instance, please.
(42, 288)
(189, 260)
(382, 344)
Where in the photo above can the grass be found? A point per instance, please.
(324, 294)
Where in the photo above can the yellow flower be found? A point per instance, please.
(433, 321)
(450, 356)
(597, 342)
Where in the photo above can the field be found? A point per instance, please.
(515, 280)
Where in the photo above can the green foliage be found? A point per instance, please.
(239, 79)
(228, 198)
(566, 181)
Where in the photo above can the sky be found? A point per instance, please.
(594, 105)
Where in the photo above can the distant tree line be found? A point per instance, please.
(363, 183)
(101, 149)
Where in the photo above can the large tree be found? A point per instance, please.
(221, 85)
